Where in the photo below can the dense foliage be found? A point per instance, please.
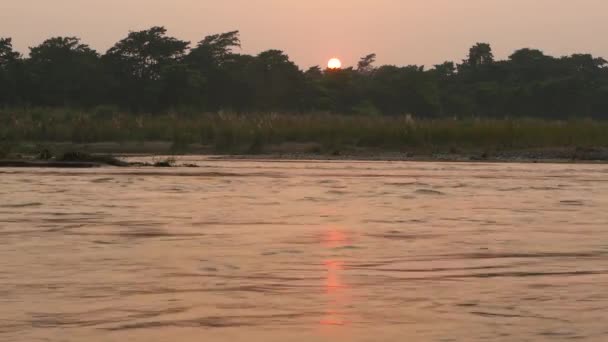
(149, 71)
(32, 130)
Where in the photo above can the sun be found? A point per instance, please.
(334, 63)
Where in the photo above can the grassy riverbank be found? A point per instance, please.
(110, 131)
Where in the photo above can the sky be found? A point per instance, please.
(400, 32)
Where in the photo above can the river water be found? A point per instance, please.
(305, 251)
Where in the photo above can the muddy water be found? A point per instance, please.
(305, 251)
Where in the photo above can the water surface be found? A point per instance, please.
(305, 251)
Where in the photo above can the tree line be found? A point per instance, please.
(149, 71)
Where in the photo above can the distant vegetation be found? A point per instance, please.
(150, 87)
(150, 72)
(318, 133)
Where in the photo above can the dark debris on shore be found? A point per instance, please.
(76, 159)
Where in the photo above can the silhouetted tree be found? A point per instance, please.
(64, 72)
(365, 65)
(151, 71)
(212, 58)
(139, 61)
(11, 73)
(405, 90)
(276, 81)
(7, 54)
(143, 54)
(445, 70)
(315, 95)
(480, 54)
(215, 49)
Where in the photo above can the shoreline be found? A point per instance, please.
(133, 160)
(391, 158)
(163, 154)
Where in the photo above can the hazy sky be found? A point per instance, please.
(311, 31)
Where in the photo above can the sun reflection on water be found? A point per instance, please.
(336, 291)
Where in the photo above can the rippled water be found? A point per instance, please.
(305, 251)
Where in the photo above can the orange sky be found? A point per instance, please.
(311, 31)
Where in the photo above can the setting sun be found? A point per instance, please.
(334, 63)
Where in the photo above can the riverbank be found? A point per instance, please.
(161, 154)
(35, 132)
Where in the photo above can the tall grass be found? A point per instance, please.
(250, 133)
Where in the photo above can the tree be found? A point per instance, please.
(530, 65)
(277, 81)
(215, 50)
(143, 54)
(445, 70)
(315, 94)
(137, 63)
(480, 54)
(405, 90)
(151, 71)
(342, 89)
(314, 73)
(365, 65)
(7, 54)
(64, 72)
(527, 56)
(584, 63)
(181, 85)
(234, 89)
(10, 73)
(214, 59)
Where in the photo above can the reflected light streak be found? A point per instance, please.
(334, 288)
(335, 237)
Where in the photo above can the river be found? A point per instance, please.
(305, 251)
